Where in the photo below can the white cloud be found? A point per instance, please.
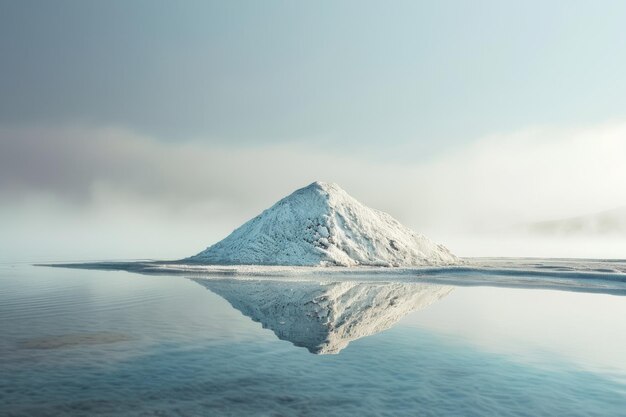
(538, 174)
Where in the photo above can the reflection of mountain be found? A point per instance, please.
(325, 317)
(604, 223)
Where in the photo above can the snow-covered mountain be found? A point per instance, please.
(325, 317)
(322, 225)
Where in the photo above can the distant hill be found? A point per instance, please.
(611, 222)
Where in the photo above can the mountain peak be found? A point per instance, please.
(321, 224)
(324, 186)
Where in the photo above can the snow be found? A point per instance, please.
(321, 225)
(325, 317)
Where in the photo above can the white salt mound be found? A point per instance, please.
(321, 225)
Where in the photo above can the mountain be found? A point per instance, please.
(610, 222)
(322, 225)
(325, 317)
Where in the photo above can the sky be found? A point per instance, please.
(149, 129)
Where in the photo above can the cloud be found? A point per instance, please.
(79, 164)
(109, 176)
(534, 174)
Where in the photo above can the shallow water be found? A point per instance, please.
(83, 342)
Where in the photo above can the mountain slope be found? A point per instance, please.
(322, 225)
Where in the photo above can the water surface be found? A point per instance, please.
(85, 342)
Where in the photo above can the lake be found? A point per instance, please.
(109, 343)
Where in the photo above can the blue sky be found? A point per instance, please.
(412, 106)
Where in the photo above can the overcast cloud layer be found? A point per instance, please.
(357, 73)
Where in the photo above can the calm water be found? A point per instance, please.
(76, 342)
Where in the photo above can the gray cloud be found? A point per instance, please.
(73, 163)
